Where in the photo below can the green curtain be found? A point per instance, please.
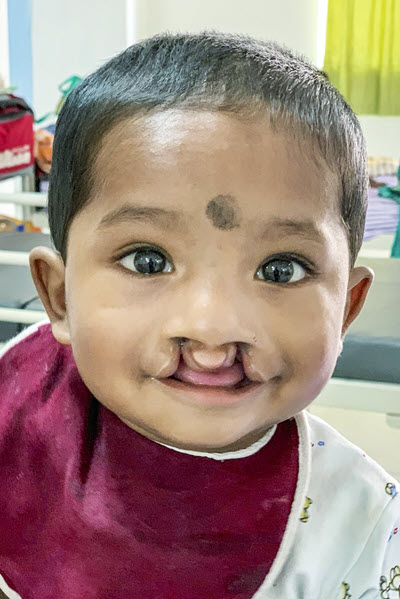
(362, 54)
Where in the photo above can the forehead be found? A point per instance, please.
(185, 159)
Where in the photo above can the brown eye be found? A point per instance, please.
(146, 261)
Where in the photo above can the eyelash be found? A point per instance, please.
(288, 256)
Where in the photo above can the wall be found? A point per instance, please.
(382, 134)
(20, 48)
(292, 22)
(71, 38)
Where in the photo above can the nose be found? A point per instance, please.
(214, 318)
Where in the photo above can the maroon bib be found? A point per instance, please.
(91, 509)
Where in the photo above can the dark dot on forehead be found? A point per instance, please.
(223, 212)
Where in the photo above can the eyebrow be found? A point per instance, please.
(284, 226)
(173, 220)
(167, 219)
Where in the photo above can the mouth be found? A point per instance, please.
(226, 386)
(207, 396)
(245, 382)
(230, 377)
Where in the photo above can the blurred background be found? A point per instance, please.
(47, 46)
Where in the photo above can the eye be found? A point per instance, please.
(146, 261)
(283, 270)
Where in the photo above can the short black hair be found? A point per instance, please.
(206, 71)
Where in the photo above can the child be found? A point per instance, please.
(207, 204)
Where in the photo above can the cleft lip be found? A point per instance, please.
(249, 369)
(237, 375)
(250, 372)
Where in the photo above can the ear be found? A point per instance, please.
(360, 281)
(48, 274)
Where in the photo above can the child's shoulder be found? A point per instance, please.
(337, 462)
(349, 511)
(27, 365)
(28, 338)
(25, 356)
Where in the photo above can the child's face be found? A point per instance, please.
(124, 327)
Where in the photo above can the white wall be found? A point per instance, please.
(71, 37)
(382, 134)
(292, 22)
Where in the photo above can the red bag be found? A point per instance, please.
(16, 134)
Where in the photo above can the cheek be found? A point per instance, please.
(105, 348)
(314, 342)
(101, 309)
(114, 325)
(105, 334)
(108, 336)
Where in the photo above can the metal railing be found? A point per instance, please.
(29, 200)
(25, 198)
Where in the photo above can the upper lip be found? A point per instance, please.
(249, 369)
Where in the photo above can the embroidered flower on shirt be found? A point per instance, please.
(305, 515)
(386, 586)
(391, 490)
(345, 589)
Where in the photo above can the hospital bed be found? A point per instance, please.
(367, 374)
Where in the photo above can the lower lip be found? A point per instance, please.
(213, 396)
